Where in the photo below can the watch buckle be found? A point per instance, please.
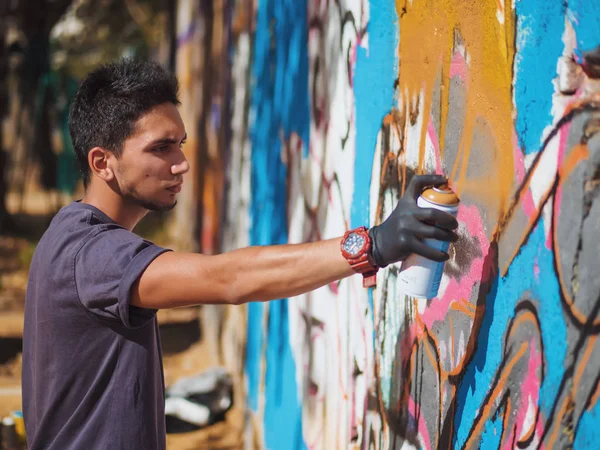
(370, 280)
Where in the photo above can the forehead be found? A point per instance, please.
(160, 122)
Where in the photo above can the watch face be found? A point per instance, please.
(354, 243)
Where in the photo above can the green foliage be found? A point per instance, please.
(96, 31)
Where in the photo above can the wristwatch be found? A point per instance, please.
(356, 248)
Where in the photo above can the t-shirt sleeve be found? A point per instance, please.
(106, 267)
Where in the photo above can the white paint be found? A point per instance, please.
(328, 335)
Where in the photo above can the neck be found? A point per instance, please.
(113, 205)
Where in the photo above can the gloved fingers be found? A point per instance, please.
(375, 251)
(420, 182)
(426, 231)
(420, 248)
(435, 217)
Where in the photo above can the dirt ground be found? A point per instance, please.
(186, 345)
(227, 435)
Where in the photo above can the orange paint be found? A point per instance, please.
(594, 398)
(526, 316)
(505, 429)
(498, 389)
(557, 424)
(576, 155)
(462, 307)
(581, 366)
(451, 341)
(431, 32)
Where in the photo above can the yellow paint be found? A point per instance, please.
(430, 32)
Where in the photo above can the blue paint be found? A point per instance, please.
(283, 412)
(374, 79)
(587, 434)
(492, 433)
(584, 15)
(470, 389)
(280, 106)
(520, 283)
(554, 330)
(540, 26)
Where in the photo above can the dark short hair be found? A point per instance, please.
(109, 102)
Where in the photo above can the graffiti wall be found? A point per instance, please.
(334, 106)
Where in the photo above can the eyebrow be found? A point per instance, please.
(169, 141)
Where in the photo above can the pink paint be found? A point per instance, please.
(456, 291)
(563, 136)
(435, 141)
(539, 429)
(519, 162)
(423, 431)
(316, 441)
(536, 268)
(344, 389)
(459, 68)
(556, 213)
(334, 288)
(353, 58)
(527, 202)
(508, 440)
(460, 291)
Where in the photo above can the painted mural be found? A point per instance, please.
(502, 357)
(333, 107)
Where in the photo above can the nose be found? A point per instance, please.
(181, 167)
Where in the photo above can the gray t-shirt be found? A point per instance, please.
(92, 364)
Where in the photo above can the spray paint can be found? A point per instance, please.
(420, 277)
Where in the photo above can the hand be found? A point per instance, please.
(402, 233)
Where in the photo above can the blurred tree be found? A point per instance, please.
(58, 42)
(96, 31)
(34, 19)
(3, 112)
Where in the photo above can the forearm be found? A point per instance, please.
(241, 276)
(272, 272)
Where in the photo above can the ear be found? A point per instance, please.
(100, 161)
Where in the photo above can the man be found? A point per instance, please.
(92, 367)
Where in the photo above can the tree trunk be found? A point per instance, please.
(4, 219)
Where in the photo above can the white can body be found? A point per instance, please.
(420, 277)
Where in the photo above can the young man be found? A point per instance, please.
(92, 365)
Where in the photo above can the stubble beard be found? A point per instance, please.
(133, 197)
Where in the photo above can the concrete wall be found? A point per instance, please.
(335, 105)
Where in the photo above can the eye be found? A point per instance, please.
(161, 149)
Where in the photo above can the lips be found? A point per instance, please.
(175, 189)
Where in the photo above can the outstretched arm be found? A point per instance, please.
(279, 271)
(249, 274)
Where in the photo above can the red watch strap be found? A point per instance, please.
(369, 280)
(363, 263)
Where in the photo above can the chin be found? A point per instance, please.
(167, 207)
(156, 206)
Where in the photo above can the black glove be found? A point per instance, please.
(401, 234)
